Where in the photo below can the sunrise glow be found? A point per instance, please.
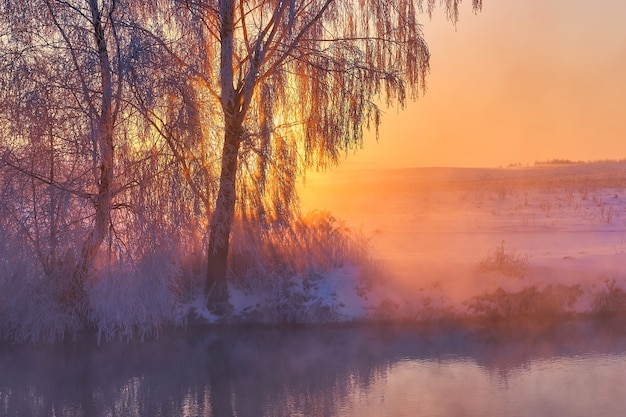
(520, 82)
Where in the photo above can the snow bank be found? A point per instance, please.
(336, 296)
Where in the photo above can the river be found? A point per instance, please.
(571, 368)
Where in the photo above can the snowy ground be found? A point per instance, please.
(447, 235)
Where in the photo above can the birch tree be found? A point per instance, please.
(66, 90)
(296, 83)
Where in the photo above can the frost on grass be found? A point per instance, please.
(29, 308)
(135, 300)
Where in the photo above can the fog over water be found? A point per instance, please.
(573, 368)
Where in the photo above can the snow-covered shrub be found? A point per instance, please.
(300, 273)
(29, 306)
(135, 299)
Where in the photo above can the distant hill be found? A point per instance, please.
(596, 174)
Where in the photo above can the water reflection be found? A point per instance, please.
(563, 369)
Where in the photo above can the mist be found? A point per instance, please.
(269, 371)
(546, 239)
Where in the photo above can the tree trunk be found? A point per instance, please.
(74, 296)
(216, 288)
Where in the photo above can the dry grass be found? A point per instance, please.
(530, 301)
(611, 300)
(509, 263)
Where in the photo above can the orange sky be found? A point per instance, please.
(524, 80)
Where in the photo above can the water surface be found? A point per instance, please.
(568, 369)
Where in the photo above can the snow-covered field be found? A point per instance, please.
(487, 241)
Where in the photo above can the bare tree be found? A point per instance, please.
(296, 82)
(67, 82)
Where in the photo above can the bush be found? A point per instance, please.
(289, 268)
(29, 307)
(510, 264)
(552, 300)
(129, 300)
(612, 300)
